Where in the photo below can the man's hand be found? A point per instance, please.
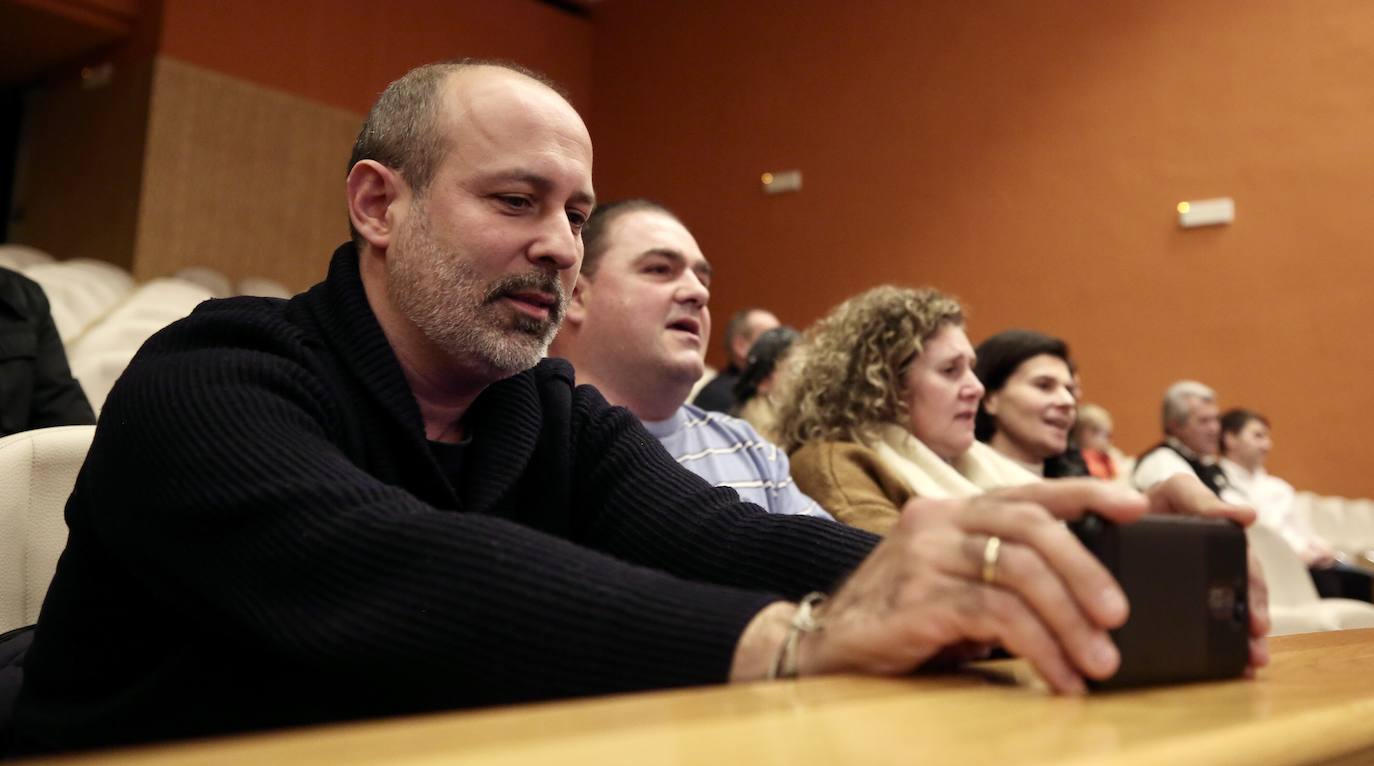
(1185, 493)
(921, 591)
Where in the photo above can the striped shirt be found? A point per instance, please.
(728, 452)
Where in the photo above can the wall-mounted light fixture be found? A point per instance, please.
(1206, 212)
(781, 181)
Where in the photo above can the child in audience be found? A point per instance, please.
(1030, 402)
(881, 409)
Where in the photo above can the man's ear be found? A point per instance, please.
(373, 193)
(577, 305)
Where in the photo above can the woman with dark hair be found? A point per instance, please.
(764, 368)
(1030, 403)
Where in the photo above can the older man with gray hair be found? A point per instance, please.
(1192, 430)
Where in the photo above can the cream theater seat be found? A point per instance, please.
(1294, 604)
(37, 471)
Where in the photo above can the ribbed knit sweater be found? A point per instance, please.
(261, 537)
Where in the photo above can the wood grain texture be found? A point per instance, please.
(240, 178)
(1312, 704)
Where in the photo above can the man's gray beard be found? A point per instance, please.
(443, 295)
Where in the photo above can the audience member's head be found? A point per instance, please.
(1189, 415)
(468, 189)
(1029, 405)
(742, 330)
(764, 363)
(1093, 429)
(638, 321)
(1245, 438)
(890, 355)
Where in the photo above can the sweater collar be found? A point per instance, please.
(662, 429)
(340, 305)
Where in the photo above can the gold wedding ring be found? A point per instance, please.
(991, 550)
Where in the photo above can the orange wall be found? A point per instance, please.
(1027, 157)
(344, 52)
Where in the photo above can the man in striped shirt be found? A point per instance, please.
(637, 328)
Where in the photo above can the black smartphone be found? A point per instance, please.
(1186, 580)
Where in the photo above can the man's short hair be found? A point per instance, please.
(1236, 419)
(1177, 398)
(737, 326)
(595, 241)
(402, 129)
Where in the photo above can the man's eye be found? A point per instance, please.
(513, 201)
(576, 218)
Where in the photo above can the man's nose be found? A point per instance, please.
(557, 245)
(692, 290)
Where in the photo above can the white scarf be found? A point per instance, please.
(980, 469)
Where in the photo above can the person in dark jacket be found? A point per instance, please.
(377, 498)
(718, 395)
(37, 389)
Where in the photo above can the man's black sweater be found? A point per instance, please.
(262, 537)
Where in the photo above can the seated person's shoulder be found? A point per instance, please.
(242, 322)
(829, 454)
(851, 482)
(219, 346)
(1157, 465)
(19, 292)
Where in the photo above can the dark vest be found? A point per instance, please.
(1211, 475)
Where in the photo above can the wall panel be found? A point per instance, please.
(241, 178)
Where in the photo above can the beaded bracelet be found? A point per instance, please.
(785, 666)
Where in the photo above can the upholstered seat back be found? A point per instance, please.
(1287, 577)
(37, 471)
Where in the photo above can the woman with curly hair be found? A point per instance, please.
(881, 409)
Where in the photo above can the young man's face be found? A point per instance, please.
(644, 312)
(484, 260)
(1250, 446)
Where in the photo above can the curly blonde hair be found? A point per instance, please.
(847, 375)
